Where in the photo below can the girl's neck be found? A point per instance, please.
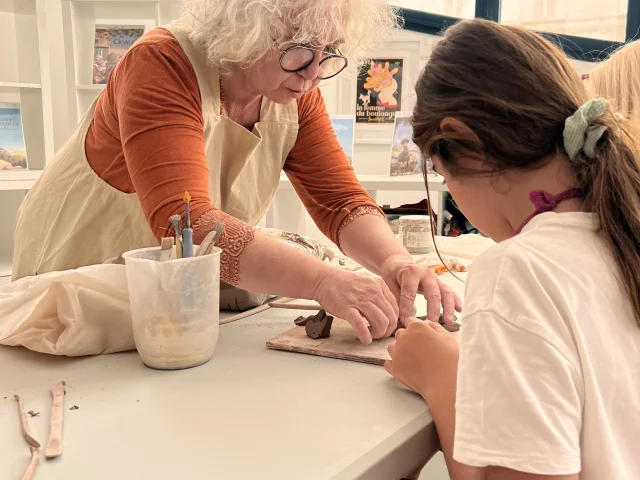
(554, 178)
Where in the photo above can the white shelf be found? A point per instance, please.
(18, 180)
(94, 87)
(20, 85)
(412, 183)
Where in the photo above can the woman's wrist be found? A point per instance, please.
(392, 262)
(322, 275)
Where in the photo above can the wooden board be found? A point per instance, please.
(342, 344)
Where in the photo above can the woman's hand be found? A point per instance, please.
(424, 357)
(406, 279)
(354, 298)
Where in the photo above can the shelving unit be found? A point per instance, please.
(81, 16)
(24, 80)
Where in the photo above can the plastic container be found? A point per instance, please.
(415, 233)
(174, 307)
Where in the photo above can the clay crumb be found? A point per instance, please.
(75, 407)
(33, 414)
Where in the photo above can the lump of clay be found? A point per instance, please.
(454, 327)
(319, 326)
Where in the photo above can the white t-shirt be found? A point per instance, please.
(549, 371)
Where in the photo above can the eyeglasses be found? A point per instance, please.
(298, 57)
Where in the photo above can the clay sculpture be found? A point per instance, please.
(319, 326)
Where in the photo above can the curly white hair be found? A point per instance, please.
(238, 33)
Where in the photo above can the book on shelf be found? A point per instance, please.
(13, 154)
(343, 126)
(111, 43)
(406, 157)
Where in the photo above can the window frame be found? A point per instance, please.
(579, 48)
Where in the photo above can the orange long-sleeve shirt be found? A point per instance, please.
(150, 114)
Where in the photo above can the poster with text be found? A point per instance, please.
(344, 126)
(110, 45)
(379, 91)
(406, 158)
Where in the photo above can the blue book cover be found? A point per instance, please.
(13, 154)
(343, 126)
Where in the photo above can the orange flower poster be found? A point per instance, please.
(379, 94)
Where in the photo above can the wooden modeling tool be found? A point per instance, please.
(166, 248)
(296, 306)
(24, 424)
(207, 245)
(187, 232)
(34, 445)
(54, 445)
(33, 464)
(176, 222)
(253, 311)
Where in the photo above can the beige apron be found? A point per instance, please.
(72, 218)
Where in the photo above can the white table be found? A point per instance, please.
(250, 413)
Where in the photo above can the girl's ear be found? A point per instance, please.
(450, 124)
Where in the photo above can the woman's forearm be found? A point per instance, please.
(270, 266)
(370, 242)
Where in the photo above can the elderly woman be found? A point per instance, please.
(218, 105)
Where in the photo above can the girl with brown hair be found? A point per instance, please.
(618, 80)
(545, 382)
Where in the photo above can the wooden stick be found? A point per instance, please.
(256, 310)
(54, 445)
(28, 473)
(24, 423)
(297, 306)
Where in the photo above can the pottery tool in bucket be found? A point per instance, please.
(176, 222)
(187, 232)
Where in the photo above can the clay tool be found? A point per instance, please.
(206, 247)
(296, 306)
(187, 232)
(24, 424)
(54, 445)
(256, 310)
(166, 248)
(31, 468)
(176, 222)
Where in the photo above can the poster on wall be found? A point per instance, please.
(344, 126)
(379, 94)
(406, 158)
(111, 43)
(13, 154)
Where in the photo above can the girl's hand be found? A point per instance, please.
(354, 298)
(424, 357)
(406, 279)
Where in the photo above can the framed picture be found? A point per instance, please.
(406, 157)
(379, 90)
(112, 39)
(344, 127)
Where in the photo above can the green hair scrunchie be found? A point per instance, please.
(578, 135)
